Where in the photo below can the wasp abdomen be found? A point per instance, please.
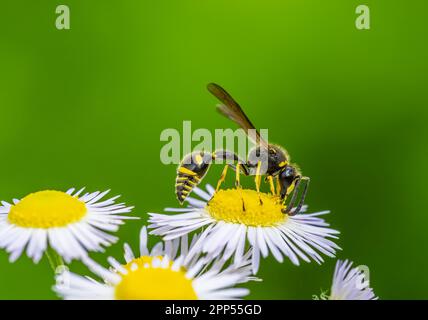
(190, 172)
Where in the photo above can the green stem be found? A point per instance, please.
(55, 260)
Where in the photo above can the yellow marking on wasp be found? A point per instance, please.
(182, 178)
(238, 174)
(278, 185)
(257, 179)
(187, 187)
(283, 164)
(290, 189)
(222, 177)
(238, 184)
(191, 182)
(272, 185)
(187, 171)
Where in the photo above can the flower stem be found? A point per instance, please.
(55, 260)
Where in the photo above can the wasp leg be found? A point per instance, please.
(272, 185)
(222, 177)
(294, 186)
(278, 185)
(224, 172)
(242, 168)
(238, 184)
(231, 157)
(302, 198)
(289, 209)
(257, 180)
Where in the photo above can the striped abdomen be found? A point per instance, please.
(190, 172)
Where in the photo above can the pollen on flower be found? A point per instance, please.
(47, 209)
(146, 282)
(227, 205)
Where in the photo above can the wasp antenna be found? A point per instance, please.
(302, 199)
(289, 207)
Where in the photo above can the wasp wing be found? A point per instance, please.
(231, 109)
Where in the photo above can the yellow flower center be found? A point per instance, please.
(228, 205)
(148, 283)
(47, 209)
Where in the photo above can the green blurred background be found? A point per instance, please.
(86, 106)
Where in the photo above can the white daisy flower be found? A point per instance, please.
(160, 274)
(227, 227)
(349, 284)
(69, 223)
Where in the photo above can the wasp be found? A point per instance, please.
(266, 159)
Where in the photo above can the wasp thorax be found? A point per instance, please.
(272, 159)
